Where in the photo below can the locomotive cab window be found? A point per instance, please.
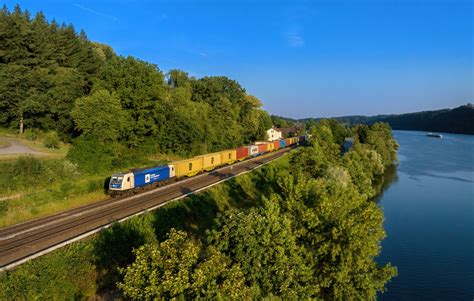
(190, 166)
(128, 179)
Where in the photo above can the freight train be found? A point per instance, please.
(136, 180)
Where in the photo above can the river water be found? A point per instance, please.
(429, 218)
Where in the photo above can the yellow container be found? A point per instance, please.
(188, 167)
(228, 156)
(210, 161)
(270, 147)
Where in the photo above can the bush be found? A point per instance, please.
(51, 140)
(31, 134)
(28, 167)
(93, 185)
(67, 274)
(91, 156)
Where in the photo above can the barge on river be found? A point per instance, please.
(434, 135)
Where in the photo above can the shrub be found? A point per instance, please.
(28, 167)
(91, 156)
(67, 274)
(51, 140)
(31, 134)
(93, 185)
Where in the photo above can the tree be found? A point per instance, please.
(261, 241)
(178, 268)
(100, 116)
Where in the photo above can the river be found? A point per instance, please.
(429, 218)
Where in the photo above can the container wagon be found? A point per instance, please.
(276, 144)
(282, 143)
(253, 150)
(210, 161)
(270, 147)
(241, 153)
(262, 148)
(188, 167)
(228, 156)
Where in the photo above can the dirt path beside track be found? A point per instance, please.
(15, 147)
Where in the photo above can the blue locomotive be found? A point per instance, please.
(137, 179)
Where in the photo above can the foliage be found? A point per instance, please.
(262, 237)
(456, 120)
(316, 234)
(93, 156)
(112, 248)
(54, 79)
(51, 140)
(177, 269)
(100, 116)
(68, 274)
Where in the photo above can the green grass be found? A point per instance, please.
(38, 202)
(33, 187)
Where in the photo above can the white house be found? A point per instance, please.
(273, 134)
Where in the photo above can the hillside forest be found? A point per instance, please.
(114, 110)
(458, 120)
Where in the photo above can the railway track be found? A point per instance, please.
(22, 242)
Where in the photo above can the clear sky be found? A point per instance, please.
(318, 58)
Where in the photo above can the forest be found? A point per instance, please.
(459, 120)
(114, 110)
(304, 226)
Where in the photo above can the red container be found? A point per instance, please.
(276, 145)
(242, 153)
(262, 148)
(288, 142)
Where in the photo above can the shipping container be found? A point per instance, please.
(150, 175)
(282, 143)
(188, 167)
(288, 141)
(242, 153)
(210, 161)
(253, 150)
(262, 148)
(276, 145)
(270, 147)
(228, 156)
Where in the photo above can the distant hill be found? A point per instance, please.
(459, 120)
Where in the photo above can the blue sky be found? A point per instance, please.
(318, 58)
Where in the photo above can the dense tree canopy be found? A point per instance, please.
(315, 234)
(49, 74)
